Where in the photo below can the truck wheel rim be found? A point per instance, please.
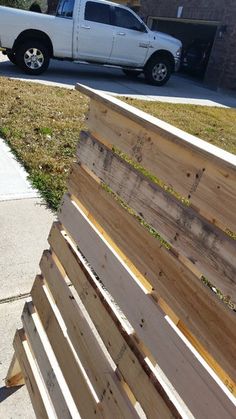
(159, 72)
(33, 58)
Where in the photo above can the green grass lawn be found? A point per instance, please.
(41, 124)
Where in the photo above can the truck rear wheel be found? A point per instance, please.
(157, 71)
(33, 57)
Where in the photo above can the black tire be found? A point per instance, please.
(33, 57)
(11, 57)
(158, 71)
(132, 74)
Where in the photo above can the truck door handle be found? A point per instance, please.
(121, 33)
(85, 27)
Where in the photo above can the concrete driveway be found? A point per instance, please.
(113, 81)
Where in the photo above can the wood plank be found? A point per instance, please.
(14, 376)
(208, 358)
(192, 167)
(206, 247)
(148, 121)
(48, 366)
(103, 378)
(87, 406)
(176, 361)
(37, 391)
(207, 318)
(120, 345)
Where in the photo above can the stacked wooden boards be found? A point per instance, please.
(120, 324)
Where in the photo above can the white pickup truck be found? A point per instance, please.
(94, 31)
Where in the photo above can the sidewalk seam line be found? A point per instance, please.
(20, 198)
(15, 298)
(21, 296)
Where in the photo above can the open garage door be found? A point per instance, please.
(197, 37)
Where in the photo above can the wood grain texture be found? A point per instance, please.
(14, 376)
(102, 376)
(37, 391)
(195, 169)
(207, 318)
(54, 381)
(121, 346)
(206, 247)
(87, 406)
(146, 317)
(148, 121)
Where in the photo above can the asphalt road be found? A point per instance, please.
(111, 80)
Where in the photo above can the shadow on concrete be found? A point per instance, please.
(113, 81)
(6, 392)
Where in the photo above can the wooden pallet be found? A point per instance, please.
(121, 325)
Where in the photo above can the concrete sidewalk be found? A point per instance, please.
(25, 223)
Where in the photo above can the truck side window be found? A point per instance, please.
(125, 19)
(65, 8)
(97, 12)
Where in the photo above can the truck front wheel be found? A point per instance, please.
(33, 57)
(157, 71)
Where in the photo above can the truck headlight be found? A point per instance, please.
(178, 52)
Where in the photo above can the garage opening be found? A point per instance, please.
(197, 37)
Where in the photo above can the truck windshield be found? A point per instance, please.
(65, 8)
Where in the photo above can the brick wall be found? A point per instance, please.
(221, 67)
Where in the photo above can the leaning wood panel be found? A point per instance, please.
(122, 348)
(100, 372)
(177, 362)
(35, 385)
(194, 168)
(213, 324)
(87, 406)
(105, 344)
(205, 246)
